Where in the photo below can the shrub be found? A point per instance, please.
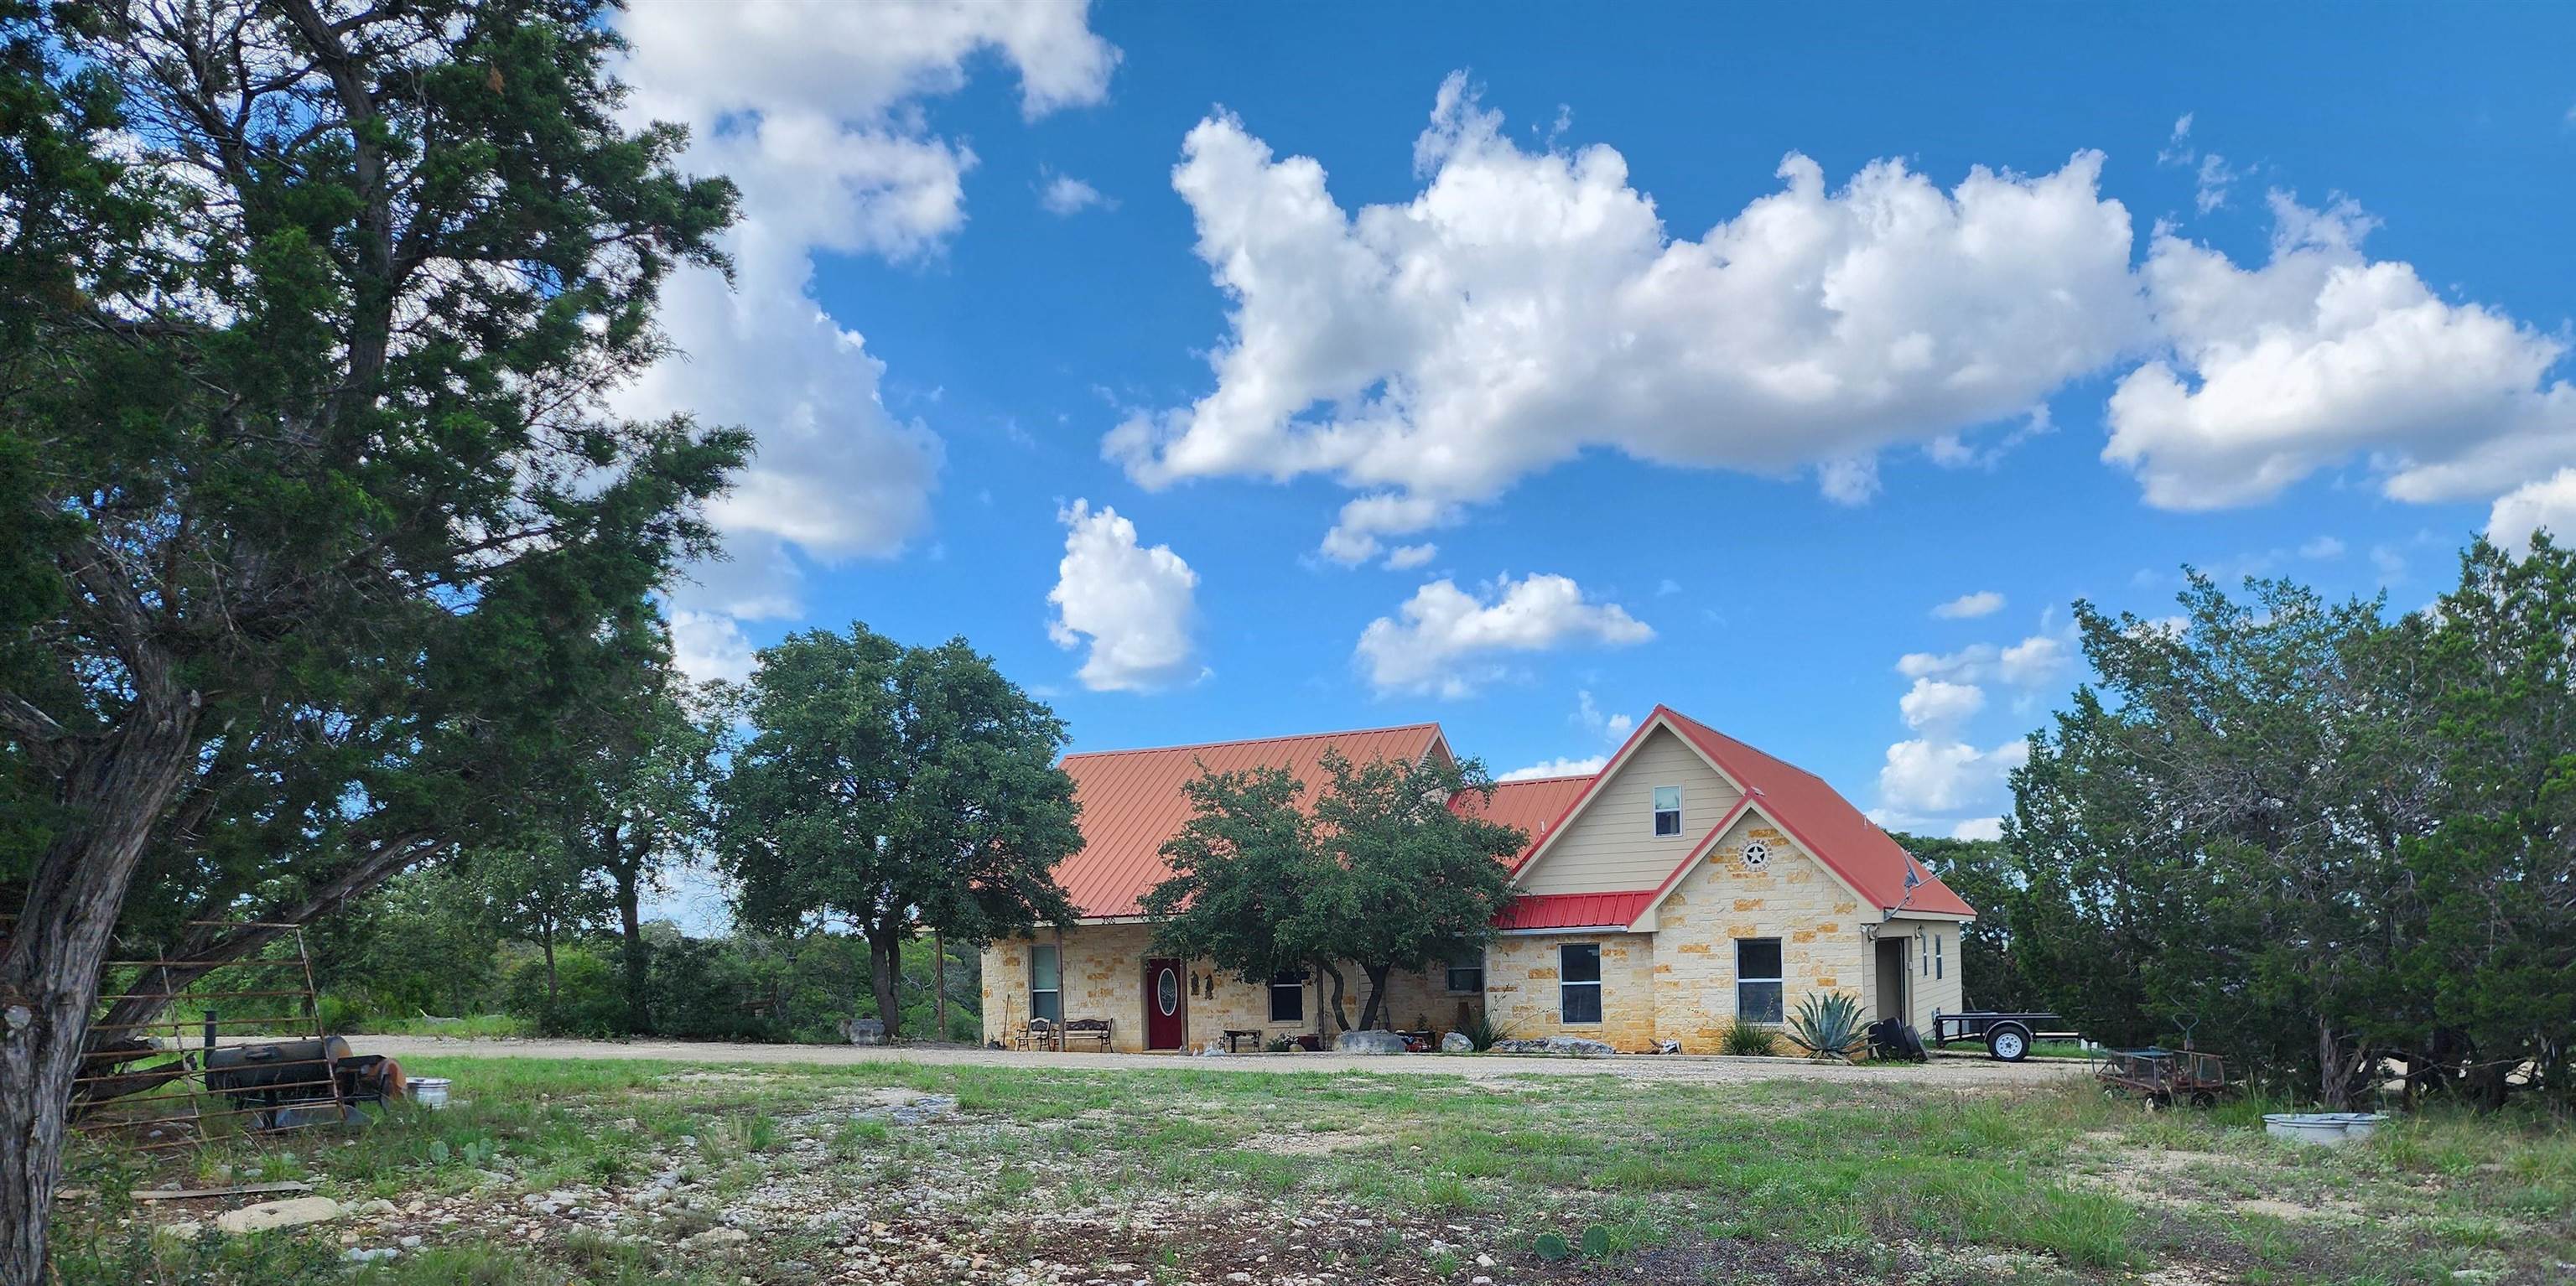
(1749, 1039)
(1828, 1027)
(1481, 1029)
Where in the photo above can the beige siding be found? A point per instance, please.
(1932, 980)
(1611, 845)
(1790, 896)
(1104, 977)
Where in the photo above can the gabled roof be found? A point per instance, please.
(1825, 824)
(1572, 911)
(1132, 801)
(1815, 814)
(1530, 805)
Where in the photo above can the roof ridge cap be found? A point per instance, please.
(1245, 741)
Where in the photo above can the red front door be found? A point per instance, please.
(1166, 1015)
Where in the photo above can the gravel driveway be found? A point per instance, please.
(1970, 1073)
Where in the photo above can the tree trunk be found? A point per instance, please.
(49, 967)
(546, 940)
(1373, 1015)
(939, 984)
(2329, 1067)
(885, 959)
(1341, 1016)
(635, 952)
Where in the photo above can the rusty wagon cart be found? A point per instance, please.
(2164, 1076)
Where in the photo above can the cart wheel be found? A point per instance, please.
(2008, 1041)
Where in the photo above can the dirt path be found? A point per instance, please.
(1960, 1073)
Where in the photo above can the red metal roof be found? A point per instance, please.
(1132, 801)
(1533, 805)
(1823, 822)
(1574, 910)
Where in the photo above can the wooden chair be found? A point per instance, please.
(1037, 1033)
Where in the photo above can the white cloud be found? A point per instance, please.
(1135, 605)
(1526, 305)
(1667, 587)
(1984, 602)
(707, 647)
(2321, 355)
(2547, 504)
(2322, 548)
(813, 112)
(1588, 715)
(1933, 703)
(2210, 185)
(1979, 828)
(1924, 776)
(1443, 629)
(2033, 661)
(1405, 557)
(1558, 768)
(2178, 149)
(1065, 195)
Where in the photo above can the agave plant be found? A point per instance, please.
(1828, 1027)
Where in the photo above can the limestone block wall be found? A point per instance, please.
(1521, 987)
(1104, 977)
(1789, 896)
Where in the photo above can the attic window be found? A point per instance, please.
(1756, 853)
(1668, 810)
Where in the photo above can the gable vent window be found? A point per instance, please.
(1756, 853)
(1668, 810)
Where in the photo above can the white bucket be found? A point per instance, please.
(2325, 1129)
(429, 1091)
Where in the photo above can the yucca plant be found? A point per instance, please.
(1481, 1029)
(1828, 1027)
(1748, 1040)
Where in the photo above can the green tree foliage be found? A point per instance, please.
(2315, 838)
(1246, 876)
(1378, 872)
(1986, 874)
(635, 797)
(312, 518)
(892, 789)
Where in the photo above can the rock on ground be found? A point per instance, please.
(1574, 1046)
(1369, 1042)
(278, 1214)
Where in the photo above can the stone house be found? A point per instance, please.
(1691, 880)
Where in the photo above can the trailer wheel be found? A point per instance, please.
(2009, 1042)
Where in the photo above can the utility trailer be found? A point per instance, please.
(2006, 1036)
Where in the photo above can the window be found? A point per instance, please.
(1757, 979)
(1937, 964)
(1467, 976)
(1046, 984)
(1668, 810)
(1288, 997)
(1578, 982)
(1922, 958)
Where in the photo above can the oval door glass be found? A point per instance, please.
(1167, 992)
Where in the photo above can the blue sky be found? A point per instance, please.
(1735, 473)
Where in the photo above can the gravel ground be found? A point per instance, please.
(1971, 1072)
